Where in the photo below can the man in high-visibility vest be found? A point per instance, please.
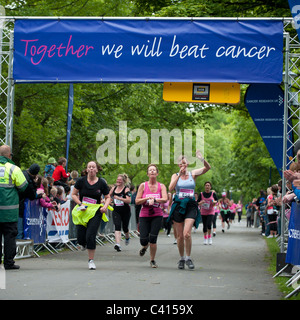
(12, 180)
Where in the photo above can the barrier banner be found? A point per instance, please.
(34, 221)
(293, 249)
(265, 103)
(148, 50)
(58, 223)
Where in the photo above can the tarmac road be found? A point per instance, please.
(234, 267)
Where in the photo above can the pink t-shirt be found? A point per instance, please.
(155, 210)
(233, 207)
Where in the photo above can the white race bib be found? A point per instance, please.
(205, 205)
(186, 193)
(89, 200)
(118, 202)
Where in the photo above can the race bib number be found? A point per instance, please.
(186, 193)
(118, 203)
(205, 205)
(89, 200)
(154, 195)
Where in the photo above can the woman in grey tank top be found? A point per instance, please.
(183, 183)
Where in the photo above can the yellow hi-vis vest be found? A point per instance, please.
(83, 217)
(12, 180)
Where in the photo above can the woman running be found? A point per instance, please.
(224, 211)
(121, 214)
(150, 195)
(207, 201)
(184, 211)
(89, 190)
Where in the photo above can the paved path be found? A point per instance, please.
(233, 268)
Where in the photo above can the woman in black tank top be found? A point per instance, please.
(121, 197)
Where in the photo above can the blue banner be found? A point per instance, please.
(295, 10)
(293, 249)
(148, 50)
(34, 221)
(265, 103)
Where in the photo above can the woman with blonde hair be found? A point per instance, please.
(185, 212)
(121, 197)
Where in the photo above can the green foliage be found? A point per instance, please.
(233, 147)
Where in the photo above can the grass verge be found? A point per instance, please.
(280, 280)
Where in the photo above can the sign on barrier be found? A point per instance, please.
(34, 221)
(293, 249)
(58, 223)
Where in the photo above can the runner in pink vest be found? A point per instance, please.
(150, 195)
(207, 201)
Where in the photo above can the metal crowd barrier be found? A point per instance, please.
(27, 248)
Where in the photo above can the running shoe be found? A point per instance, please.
(205, 242)
(209, 240)
(190, 264)
(181, 264)
(153, 264)
(143, 251)
(92, 265)
(127, 241)
(117, 247)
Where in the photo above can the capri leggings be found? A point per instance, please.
(86, 236)
(149, 229)
(207, 222)
(121, 219)
(224, 215)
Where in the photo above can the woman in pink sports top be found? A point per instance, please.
(150, 195)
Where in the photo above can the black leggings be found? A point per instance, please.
(273, 222)
(207, 221)
(149, 229)
(121, 219)
(86, 236)
(224, 215)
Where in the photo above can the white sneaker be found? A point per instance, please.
(92, 265)
(205, 242)
(209, 240)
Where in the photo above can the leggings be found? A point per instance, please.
(207, 221)
(224, 215)
(86, 236)
(273, 222)
(149, 229)
(121, 219)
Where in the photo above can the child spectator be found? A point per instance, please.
(45, 201)
(59, 175)
(49, 168)
(53, 196)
